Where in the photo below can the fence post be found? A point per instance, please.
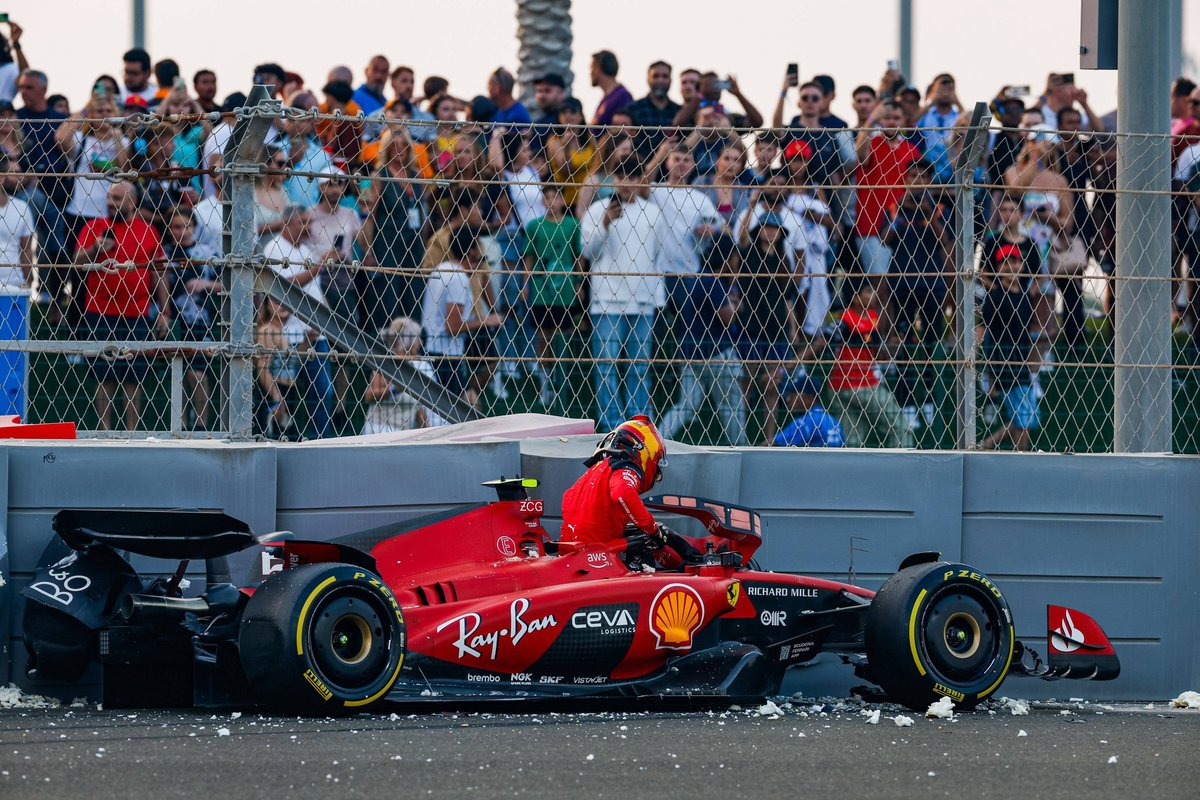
(237, 190)
(964, 277)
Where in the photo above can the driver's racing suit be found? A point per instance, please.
(604, 502)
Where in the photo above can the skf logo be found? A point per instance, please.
(733, 593)
(317, 684)
(675, 615)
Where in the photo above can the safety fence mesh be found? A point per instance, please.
(808, 286)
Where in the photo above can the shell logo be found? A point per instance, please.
(675, 615)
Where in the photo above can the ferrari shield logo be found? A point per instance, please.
(675, 615)
(733, 593)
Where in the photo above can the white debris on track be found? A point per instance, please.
(1187, 700)
(1018, 708)
(942, 709)
(872, 716)
(11, 696)
(768, 708)
(1112, 759)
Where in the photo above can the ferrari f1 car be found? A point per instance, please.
(480, 604)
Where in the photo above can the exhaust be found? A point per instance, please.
(138, 607)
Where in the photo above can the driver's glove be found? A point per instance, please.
(660, 537)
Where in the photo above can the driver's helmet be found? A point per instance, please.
(635, 443)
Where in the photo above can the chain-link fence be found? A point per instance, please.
(288, 273)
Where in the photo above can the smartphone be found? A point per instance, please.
(893, 65)
(179, 83)
(3, 17)
(1067, 77)
(793, 73)
(721, 86)
(338, 241)
(1017, 91)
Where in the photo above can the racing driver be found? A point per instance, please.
(606, 504)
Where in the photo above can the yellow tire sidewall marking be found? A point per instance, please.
(912, 631)
(304, 612)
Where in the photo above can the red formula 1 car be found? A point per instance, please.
(479, 604)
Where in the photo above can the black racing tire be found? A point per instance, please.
(322, 639)
(939, 630)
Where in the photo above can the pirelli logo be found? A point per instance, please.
(953, 694)
(317, 684)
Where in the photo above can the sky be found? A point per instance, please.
(984, 43)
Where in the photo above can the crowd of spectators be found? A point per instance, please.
(478, 236)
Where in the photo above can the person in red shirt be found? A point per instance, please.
(865, 406)
(118, 307)
(605, 503)
(884, 156)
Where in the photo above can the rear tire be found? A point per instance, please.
(939, 630)
(323, 639)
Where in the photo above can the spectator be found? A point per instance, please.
(916, 233)
(196, 304)
(341, 137)
(1005, 143)
(392, 409)
(814, 223)
(549, 91)
(11, 66)
(509, 110)
(303, 152)
(369, 96)
(204, 84)
(48, 194)
(333, 227)
(708, 95)
(766, 152)
(278, 369)
(599, 185)
(456, 334)
(909, 99)
(166, 72)
(158, 196)
(689, 84)
(711, 368)
(1185, 128)
(446, 130)
(391, 235)
(572, 152)
(771, 198)
(1010, 230)
(941, 111)
(811, 425)
(189, 136)
(552, 259)
(766, 314)
(270, 197)
(833, 149)
(728, 187)
(91, 145)
(656, 111)
(272, 76)
(862, 403)
(403, 82)
(59, 104)
(616, 96)
(208, 214)
(290, 257)
(16, 260)
(1008, 349)
(865, 99)
(120, 303)
(1186, 211)
(828, 93)
(884, 158)
(1061, 93)
(137, 76)
(624, 238)
(691, 222)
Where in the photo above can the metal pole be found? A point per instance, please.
(178, 411)
(139, 23)
(966, 437)
(242, 163)
(1175, 65)
(1142, 381)
(906, 39)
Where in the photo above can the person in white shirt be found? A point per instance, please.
(690, 216)
(137, 76)
(624, 237)
(453, 328)
(290, 257)
(16, 258)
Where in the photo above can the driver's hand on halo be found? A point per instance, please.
(658, 539)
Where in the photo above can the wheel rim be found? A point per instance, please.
(962, 635)
(350, 639)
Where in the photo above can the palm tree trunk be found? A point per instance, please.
(544, 34)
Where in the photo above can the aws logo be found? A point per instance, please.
(675, 615)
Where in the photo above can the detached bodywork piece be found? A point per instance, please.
(479, 604)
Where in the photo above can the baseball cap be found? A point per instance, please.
(335, 174)
(481, 109)
(552, 78)
(1007, 251)
(825, 82)
(135, 102)
(797, 149)
(770, 218)
(339, 90)
(801, 384)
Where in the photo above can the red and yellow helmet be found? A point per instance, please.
(638, 444)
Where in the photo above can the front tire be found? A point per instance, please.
(939, 630)
(323, 639)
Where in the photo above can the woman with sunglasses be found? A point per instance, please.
(270, 198)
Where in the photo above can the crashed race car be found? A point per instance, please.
(479, 604)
